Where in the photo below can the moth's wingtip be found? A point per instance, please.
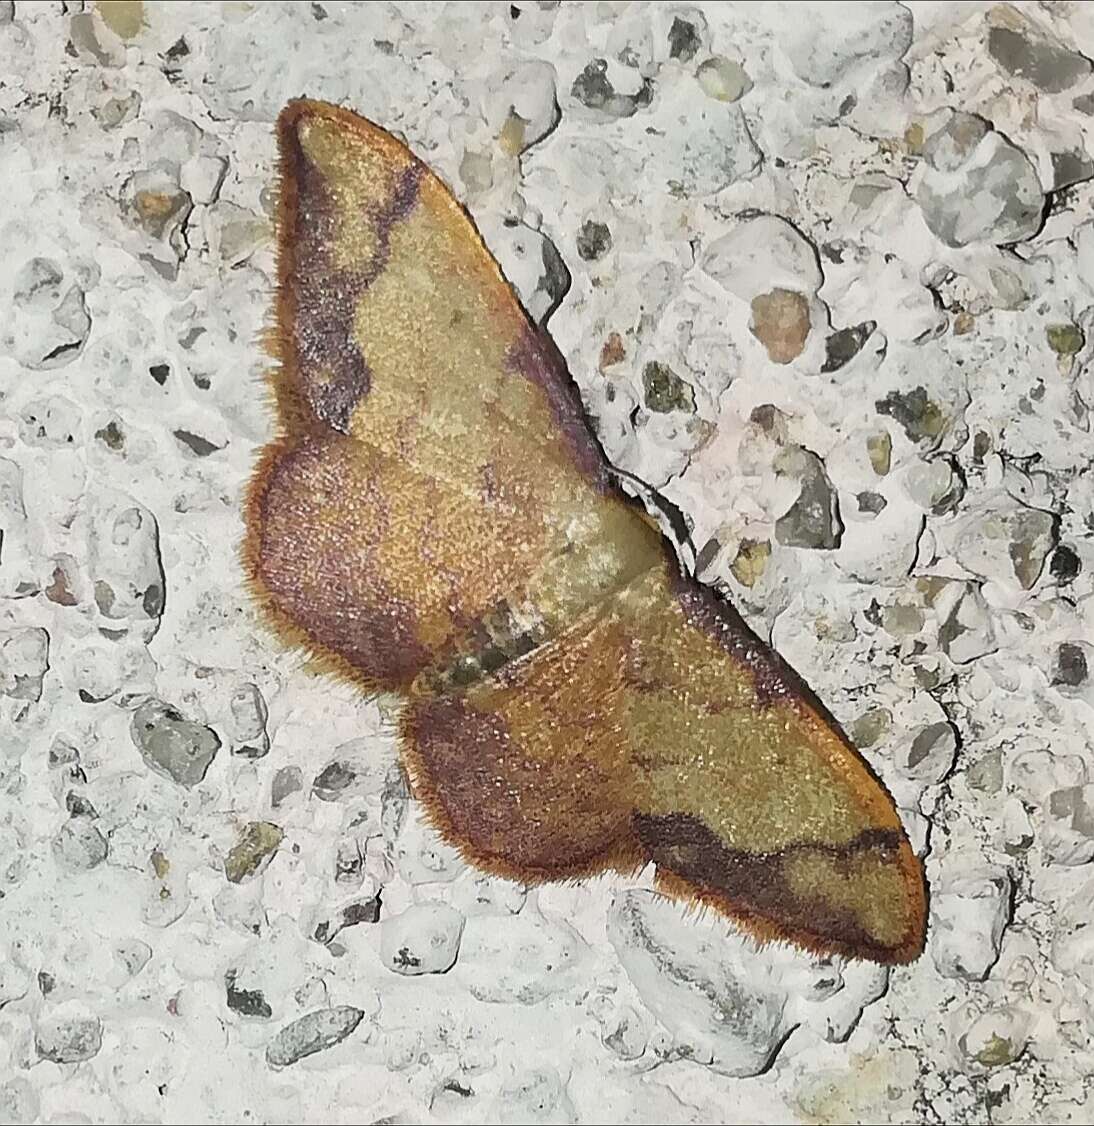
(298, 110)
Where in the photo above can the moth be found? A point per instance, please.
(434, 518)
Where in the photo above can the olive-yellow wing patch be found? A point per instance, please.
(436, 518)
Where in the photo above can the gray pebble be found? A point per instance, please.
(593, 89)
(339, 779)
(50, 322)
(1072, 166)
(313, 1032)
(931, 754)
(824, 42)
(287, 781)
(846, 343)
(1071, 667)
(1049, 66)
(24, 661)
(977, 186)
(68, 1039)
(1065, 565)
(715, 1002)
(248, 1002)
(594, 240)
(923, 420)
(685, 39)
(424, 939)
(1068, 835)
(813, 520)
(79, 845)
(249, 715)
(970, 910)
(125, 568)
(172, 745)
(967, 632)
(1005, 541)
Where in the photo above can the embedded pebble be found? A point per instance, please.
(256, 844)
(287, 781)
(761, 255)
(1065, 339)
(844, 345)
(970, 909)
(812, 521)
(421, 855)
(1068, 833)
(996, 1038)
(780, 322)
(311, 1033)
(246, 1002)
(594, 89)
(476, 894)
(1004, 540)
(594, 240)
(80, 845)
(923, 420)
(520, 106)
(934, 485)
(709, 146)
(625, 1033)
(665, 391)
(1049, 66)
(966, 632)
(1071, 667)
(823, 43)
(931, 753)
(424, 939)
(249, 714)
(154, 203)
(723, 79)
(522, 959)
(67, 1035)
(50, 322)
(176, 747)
(976, 186)
(719, 1005)
(124, 565)
(537, 1095)
(24, 662)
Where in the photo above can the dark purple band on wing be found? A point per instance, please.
(333, 373)
(757, 883)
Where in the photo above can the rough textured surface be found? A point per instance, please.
(949, 628)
